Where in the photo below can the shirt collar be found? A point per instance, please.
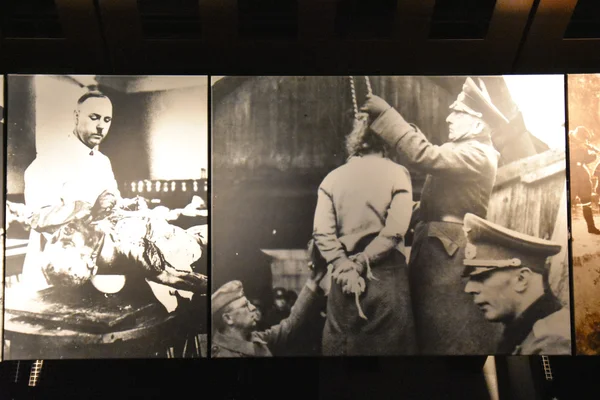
(78, 147)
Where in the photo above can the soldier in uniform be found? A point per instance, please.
(280, 309)
(581, 183)
(461, 175)
(234, 321)
(508, 279)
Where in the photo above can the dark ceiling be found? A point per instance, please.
(299, 36)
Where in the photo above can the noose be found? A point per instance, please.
(353, 92)
(358, 287)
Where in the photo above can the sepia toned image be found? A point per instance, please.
(107, 217)
(584, 148)
(389, 215)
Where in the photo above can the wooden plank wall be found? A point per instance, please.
(298, 122)
(530, 197)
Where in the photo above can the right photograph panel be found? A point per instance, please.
(584, 147)
(389, 215)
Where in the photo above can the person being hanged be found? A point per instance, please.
(362, 215)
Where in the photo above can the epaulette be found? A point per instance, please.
(556, 324)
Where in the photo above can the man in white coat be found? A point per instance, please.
(78, 171)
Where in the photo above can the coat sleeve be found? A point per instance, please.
(43, 198)
(112, 184)
(416, 151)
(397, 220)
(41, 187)
(305, 307)
(325, 229)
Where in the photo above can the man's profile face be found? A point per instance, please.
(461, 124)
(494, 295)
(92, 120)
(243, 314)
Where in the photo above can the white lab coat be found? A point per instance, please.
(72, 172)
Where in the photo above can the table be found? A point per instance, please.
(59, 323)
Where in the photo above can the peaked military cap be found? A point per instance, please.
(226, 294)
(491, 246)
(476, 101)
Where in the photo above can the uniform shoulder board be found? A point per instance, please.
(556, 324)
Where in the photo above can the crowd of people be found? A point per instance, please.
(463, 277)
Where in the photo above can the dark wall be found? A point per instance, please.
(285, 123)
(126, 145)
(274, 140)
(21, 131)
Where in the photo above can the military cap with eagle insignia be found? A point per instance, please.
(476, 101)
(491, 246)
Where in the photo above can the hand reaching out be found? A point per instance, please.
(375, 106)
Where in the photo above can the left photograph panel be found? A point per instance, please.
(2, 119)
(106, 217)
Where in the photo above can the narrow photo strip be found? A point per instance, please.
(2, 194)
(584, 147)
(107, 217)
(389, 215)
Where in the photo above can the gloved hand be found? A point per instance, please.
(375, 106)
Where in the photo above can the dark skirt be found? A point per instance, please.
(581, 184)
(386, 303)
(447, 321)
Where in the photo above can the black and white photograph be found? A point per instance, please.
(107, 215)
(2, 118)
(389, 215)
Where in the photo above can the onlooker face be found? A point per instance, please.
(493, 292)
(241, 314)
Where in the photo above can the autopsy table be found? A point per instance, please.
(77, 323)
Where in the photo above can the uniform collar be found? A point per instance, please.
(246, 347)
(78, 146)
(484, 138)
(517, 330)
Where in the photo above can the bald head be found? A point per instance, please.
(93, 116)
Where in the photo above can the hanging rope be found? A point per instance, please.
(354, 102)
(353, 92)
